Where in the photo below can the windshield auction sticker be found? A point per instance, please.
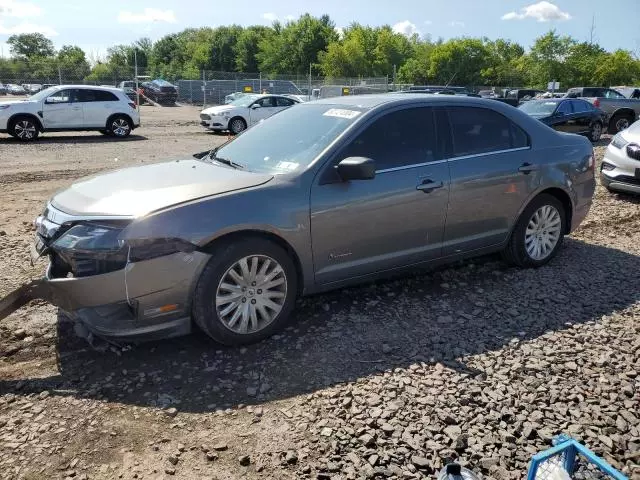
(341, 113)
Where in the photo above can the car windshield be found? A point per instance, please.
(42, 94)
(244, 101)
(538, 108)
(290, 140)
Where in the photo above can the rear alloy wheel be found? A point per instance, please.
(24, 129)
(595, 132)
(539, 233)
(120, 126)
(246, 292)
(237, 125)
(620, 122)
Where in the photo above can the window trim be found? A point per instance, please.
(453, 159)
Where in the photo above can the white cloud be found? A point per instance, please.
(456, 23)
(27, 27)
(148, 15)
(270, 16)
(12, 8)
(406, 28)
(542, 11)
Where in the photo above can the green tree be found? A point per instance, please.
(617, 68)
(581, 63)
(502, 63)
(292, 48)
(246, 48)
(30, 45)
(458, 61)
(416, 69)
(546, 60)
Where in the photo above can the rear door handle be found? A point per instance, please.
(527, 168)
(429, 185)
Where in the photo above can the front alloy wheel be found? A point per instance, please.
(246, 292)
(24, 129)
(251, 294)
(237, 125)
(596, 132)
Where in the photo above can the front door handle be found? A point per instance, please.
(527, 168)
(429, 185)
(75, 108)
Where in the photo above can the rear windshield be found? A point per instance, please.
(538, 108)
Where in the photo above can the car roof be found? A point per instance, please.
(375, 100)
(86, 87)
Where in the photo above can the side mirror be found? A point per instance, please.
(356, 168)
(255, 105)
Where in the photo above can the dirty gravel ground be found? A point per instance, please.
(478, 362)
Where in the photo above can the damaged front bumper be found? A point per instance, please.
(140, 291)
(144, 300)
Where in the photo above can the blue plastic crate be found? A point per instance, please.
(576, 459)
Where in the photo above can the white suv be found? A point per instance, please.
(70, 107)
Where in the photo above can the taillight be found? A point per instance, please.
(132, 105)
(596, 103)
(592, 163)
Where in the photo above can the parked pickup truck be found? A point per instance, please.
(621, 111)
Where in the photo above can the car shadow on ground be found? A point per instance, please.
(442, 316)
(67, 139)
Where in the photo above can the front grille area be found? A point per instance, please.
(633, 150)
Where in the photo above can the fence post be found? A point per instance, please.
(204, 90)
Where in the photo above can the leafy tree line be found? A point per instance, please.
(359, 50)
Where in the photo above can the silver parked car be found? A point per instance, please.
(330, 193)
(620, 169)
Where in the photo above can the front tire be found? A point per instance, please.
(538, 234)
(24, 129)
(595, 132)
(237, 125)
(120, 126)
(246, 292)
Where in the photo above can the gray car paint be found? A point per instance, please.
(335, 231)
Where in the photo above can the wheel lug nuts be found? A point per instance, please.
(259, 292)
(253, 284)
(253, 302)
(244, 300)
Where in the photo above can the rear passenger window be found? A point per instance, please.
(398, 139)
(284, 102)
(98, 96)
(480, 130)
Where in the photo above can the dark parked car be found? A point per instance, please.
(621, 111)
(3, 89)
(160, 91)
(319, 196)
(568, 115)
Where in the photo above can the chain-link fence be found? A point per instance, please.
(202, 88)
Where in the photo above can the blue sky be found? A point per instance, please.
(94, 25)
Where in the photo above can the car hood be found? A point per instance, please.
(218, 110)
(134, 192)
(13, 102)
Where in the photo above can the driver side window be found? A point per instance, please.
(398, 139)
(266, 102)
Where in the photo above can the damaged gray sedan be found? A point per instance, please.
(320, 196)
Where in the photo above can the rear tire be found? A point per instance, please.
(24, 129)
(541, 224)
(119, 126)
(620, 122)
(595, 131)
(237, 303)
